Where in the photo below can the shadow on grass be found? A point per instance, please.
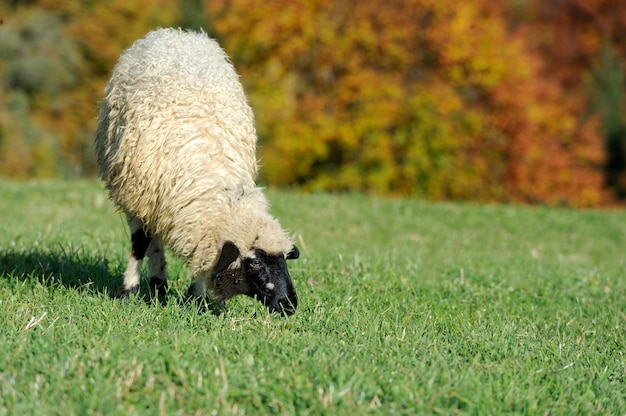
(60, 266)
(81, 270)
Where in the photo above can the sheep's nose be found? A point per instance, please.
(286, 306)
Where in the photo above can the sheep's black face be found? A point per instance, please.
(269, 281)
(260, 275)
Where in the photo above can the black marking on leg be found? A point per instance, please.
(140, 241)
(158, 287)
(125, 293)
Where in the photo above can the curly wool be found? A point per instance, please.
(176, 148)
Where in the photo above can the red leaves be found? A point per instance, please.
(443, 100)
(479, 100)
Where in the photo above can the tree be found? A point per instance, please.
(39, 62)
(55, 62)
(583, 47)
(417, 97)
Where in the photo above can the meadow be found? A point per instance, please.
(405, 307)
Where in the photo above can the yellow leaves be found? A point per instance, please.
(473, 45)
(441, 99)
(444, 97)
(120, 23)
(364, 112)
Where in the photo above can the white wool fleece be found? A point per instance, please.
(176, 148)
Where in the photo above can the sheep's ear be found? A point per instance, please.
(293, 254)
(229, 254)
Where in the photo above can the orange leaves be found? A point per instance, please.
(120, 23)
(478, 100)
(439, 99)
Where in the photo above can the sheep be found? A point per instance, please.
(176, 149)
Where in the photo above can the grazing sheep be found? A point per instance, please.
(176, 148)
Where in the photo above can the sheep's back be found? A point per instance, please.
(175, 127)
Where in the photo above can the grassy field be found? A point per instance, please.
(406, 307)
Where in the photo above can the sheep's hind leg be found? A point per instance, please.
(156, 268)
(140, 240)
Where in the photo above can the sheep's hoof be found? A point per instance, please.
(215, 307)
(196, 291)
(206, 304)
(158, 287)
(125, 293)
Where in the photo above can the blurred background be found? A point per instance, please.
(479, 100)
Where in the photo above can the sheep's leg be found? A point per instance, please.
(197, 289)
(203, 296)
(140, 240)
(156, 268)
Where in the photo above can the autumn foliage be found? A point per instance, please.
(477, 100)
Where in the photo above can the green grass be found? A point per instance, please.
(406, 307)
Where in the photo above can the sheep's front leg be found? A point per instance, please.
(197, 289)
(202, 295)
(156, 268)
(140, 240)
